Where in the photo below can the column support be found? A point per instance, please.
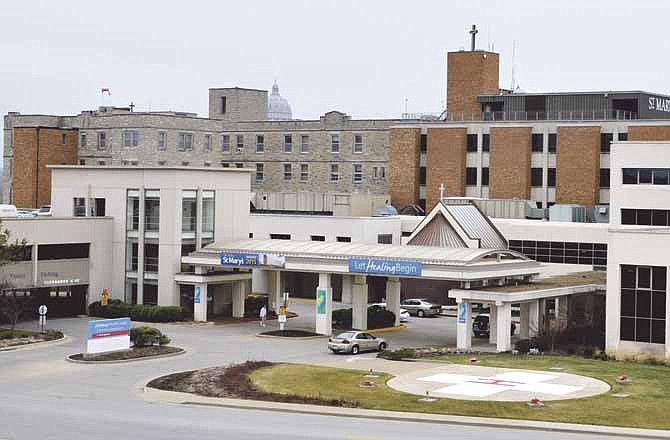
(464, 325)
(493, 324)
(200, 302)
(360, 303)
(393, 298)
(504, 341)
(524, 320)
(239, 295)
(140, 248)
(347, 282)
(324, 305)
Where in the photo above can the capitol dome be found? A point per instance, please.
(278, 107)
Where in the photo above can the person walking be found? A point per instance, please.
(263, 315)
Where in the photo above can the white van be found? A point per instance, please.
(8, 211)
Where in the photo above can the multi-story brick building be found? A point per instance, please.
(333, 164)
(546, 147)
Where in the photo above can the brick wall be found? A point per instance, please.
(34, 149)
(649, 133)
(509, 162)
(404, 154)
(577, 165)
(470, 74)
(445, 163)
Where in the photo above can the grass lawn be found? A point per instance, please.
(647, 407)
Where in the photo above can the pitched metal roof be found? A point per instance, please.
(476, 225)
(438, 232)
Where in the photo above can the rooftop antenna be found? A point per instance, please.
(406, 107)
(514, 85)
(473, 32)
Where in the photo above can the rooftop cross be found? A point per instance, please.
(473, 32)
(441, 191)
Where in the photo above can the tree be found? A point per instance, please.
(13, 304)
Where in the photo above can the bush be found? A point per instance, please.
(522, 346)
(398, 355)
(147, 336)
(253, 304)
(137, 312)
(377, 318)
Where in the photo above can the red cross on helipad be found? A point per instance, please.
(494, 381)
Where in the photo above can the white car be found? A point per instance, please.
(404, 314)
(44, 211)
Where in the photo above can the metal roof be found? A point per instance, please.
(342, 251)
(438, 232)
(477, 225)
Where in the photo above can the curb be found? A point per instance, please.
(65, 338)
(388, 329)
(292, 338)
(156, 395)
(125, 361)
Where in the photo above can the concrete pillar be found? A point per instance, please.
(324, 305)
(200, 302)
(276, 282)
(393, 297)
(198, 219)
(493, 324)
(140, 248)
(360, 303)
(533, 318)
(239, 294)
(562, 312)
(504, 318)
(524, 320)
(464, 325)
(347, 281)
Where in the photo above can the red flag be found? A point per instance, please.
(105, 90)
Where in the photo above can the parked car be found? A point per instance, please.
(421, 307)
(354, 342)
(44, 211)
(481, 326)
(26, 213)
(404, 314)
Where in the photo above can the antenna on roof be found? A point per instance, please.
(513, 85)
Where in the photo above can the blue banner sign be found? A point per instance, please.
(241, 259)
(196, 295)
(384, 267)
(462, 313)
(105, 328)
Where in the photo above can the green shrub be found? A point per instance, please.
(146, 336)
(377, 318)
(398, 355)
(253, 304)
(522, 346)
(137, 312)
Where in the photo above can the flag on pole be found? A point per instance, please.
(105, 90)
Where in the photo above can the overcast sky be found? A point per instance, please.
(361, 57)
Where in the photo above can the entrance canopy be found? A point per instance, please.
(458, 264)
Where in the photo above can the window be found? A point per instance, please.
(280, 236)
(344, 239)
(422, 175)
(162, 140)
(82, 161)
(485, 176)
(471, 176)
(318, 237)
(188, 210)
(288, 172)
(102, 140)
(646, 176)
(661, 176)
(379, 172)
(288, 143)
(207, 220)
(225, 143)
(304, 172)
(132, 210)
(225, 164)
(623, 136)
(551, 177)
(358, 143)
(471, 145)
(260, 143)
(643, 298)
(605, 141)
(152, 210)
(240, 142)
(62, 251)
(536, 177)
(538, 143)
(208, 142)
(79, 207)
(150, 259)
(239, 165)
(423, 143)
(562, 252)
(63, 139)
(645, 217)
(385, 238)
(630, 176)
(82, 140)
(185, 142)
(334, 172)
(259, 172)
(486, 142)
(223, 105)
(304, 143)
(334, 143)
(101, 162)
(604, 177)
(552, 142)
(98, 207)
(207, 164)
(358, 173)
(130, 138)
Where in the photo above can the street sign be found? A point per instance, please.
(104, 297)
(42, 310)
(108, 335)
(196, 295)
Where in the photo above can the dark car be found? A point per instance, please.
(481, 327)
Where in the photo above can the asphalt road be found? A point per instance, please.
(44, 397)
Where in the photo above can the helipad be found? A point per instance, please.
(472, 382)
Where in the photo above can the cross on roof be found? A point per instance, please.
(473, 32)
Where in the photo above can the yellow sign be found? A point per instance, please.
(104, 300)
(282, 310)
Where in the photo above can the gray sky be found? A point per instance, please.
(361, 57)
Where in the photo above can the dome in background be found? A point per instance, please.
(385, 211)
(278, 107)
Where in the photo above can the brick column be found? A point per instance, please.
(509, 162)
(578, 165)
(445, 163)
(404, 155)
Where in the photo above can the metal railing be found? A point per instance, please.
(577, 115)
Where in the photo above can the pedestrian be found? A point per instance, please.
(263, 315)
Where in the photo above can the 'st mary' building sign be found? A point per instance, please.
(385, 267)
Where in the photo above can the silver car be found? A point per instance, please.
(421, 307)
(354, 342)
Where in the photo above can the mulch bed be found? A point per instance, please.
(27, 337)
(233, 382)
(228, 320)
(133, 353)
(290, 333)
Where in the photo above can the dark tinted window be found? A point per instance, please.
(630, 176)
(628, 217)
(471, 176)
(644, 175)
(538, 143)
(659, 217)
(536, 177)
(318, 238)
(644, 217)
(424, 143)
(472, 143)
(552, 142)
(422, 175)
(623, 136)
(62, 251)
(485, 176)
(280, 236)
(384, 238)
(344, 239)
(604, 177)
(551, 177)
(605, 140)
(661, 176)
(486, 142)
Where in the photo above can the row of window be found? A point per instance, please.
(471, 174)
(646, 176)
(130, 138)
(378, 172)
(645, 217)
(594, 254)
(607, 138)
(643, 303)
(381, 238)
